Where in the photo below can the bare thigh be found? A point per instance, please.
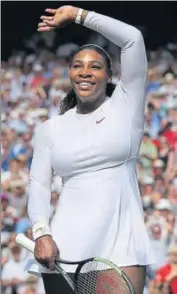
(137, 275)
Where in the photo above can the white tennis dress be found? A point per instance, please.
(99, 211)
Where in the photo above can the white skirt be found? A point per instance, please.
(101, 216)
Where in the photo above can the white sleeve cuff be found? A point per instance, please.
(39, 230)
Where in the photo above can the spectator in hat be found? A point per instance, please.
(43, 114)
(164, 207)
(148, 193)
(165, 210)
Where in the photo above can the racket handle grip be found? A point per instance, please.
(25, 242)
(28, 244)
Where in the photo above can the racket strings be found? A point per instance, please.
(98, 278)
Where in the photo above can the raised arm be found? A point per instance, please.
(130, 90)
(130, 40)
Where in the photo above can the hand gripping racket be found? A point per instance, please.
(92, 276)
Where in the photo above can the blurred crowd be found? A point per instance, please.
(33, 83)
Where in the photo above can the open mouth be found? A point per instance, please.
(85, 85)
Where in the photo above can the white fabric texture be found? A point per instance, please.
(99, 211)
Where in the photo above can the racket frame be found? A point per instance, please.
(96, 259)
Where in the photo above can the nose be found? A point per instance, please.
(84, 73)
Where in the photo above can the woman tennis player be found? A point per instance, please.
(94, 147)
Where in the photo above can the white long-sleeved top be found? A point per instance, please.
(99, 212)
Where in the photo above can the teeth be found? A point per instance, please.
(85, 84)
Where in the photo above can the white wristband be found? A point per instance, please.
(79, 15)
(39, 230)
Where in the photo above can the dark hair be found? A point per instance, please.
(69, 100)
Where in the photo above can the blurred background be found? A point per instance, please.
(34, 80)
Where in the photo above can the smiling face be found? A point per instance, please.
(89, 75)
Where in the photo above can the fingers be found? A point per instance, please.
(43, 27)
(42, 24)
(51, 11)
(47, 262)
(52, 264)
(45, 251)
(46, 259)
(44, 17)
(50, 23)
(47, 24)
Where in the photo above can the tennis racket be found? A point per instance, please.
(92, 276)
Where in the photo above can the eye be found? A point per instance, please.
(76, 65)
(96, 66)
